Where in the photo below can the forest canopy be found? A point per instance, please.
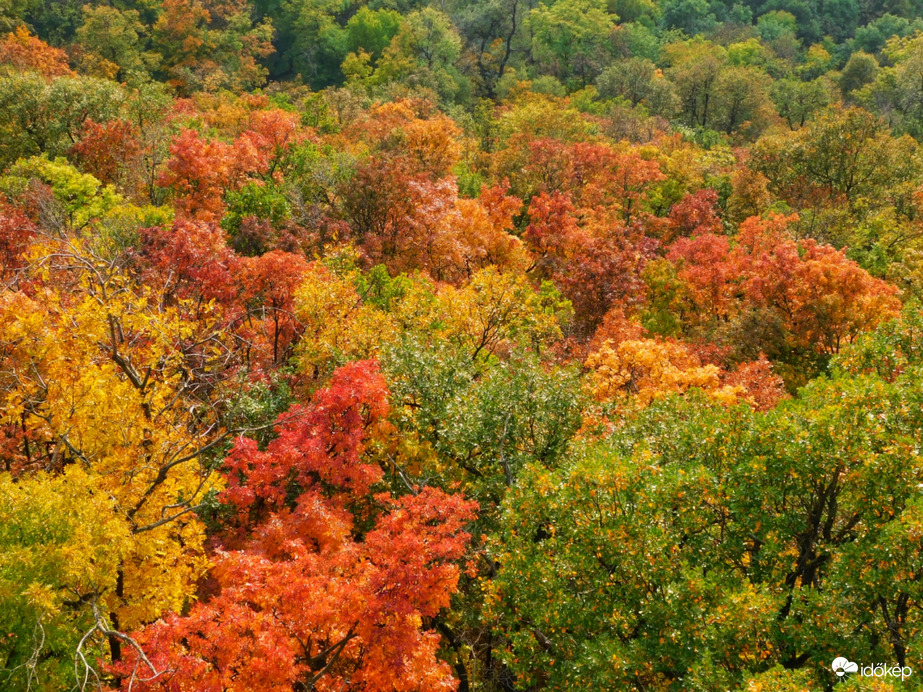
(472, 346)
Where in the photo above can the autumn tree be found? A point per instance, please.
(768, 292)
(22, 51)
(352, 599)
(211, 45)
(112, 42)
(840, 171)
(112, 391)
(569, 38)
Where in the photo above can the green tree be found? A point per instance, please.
(422, 55)
(114, 42)
(569, 39)
(742, 99)
(638, 81)
(310, 42)
(694, 69)
(860, 69)
(372, 30)
(841, 171)
(491, 30)
(690, 16)
(700, 545)
(38, 116)
(797, 101)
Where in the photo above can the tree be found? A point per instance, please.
(694, 69)
(692, 16)
(372, 30)
(569, 38)
(801, 296)
(489, 29)
(17, 232)
(860, 69)
(310, 41)
(422, 54)
(110, 152)
(695, 214)
(741, 99)
(60, 538)
(23, 51)
(714, 94)
(211, 45)
(42, 116)
(352, 600)
(840, 169)
(896, 92)
(797, 101)
(199, 172)
(100, 378)
(720, 555)
(648, 369)
(113, 42)
(494, 308)
(638, 80)
(339, 326)
(268, 284)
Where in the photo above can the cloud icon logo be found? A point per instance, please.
(841, 666)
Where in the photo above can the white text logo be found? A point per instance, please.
(841, 666)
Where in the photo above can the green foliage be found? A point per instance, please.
(263, 201)
(40, 116)
(82, 197)
(483, 423)
(570, 38)
(701, 543)
(372, 30)
(60, 545)
(115, 41)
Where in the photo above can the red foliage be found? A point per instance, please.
(709, 271)
(616, 327)
(377, 194)
(305, 601)
(107, 150)
(695, 214)
(268, 286)
(823, 299)
(764, 389)
(592, 175)
(606, 271)
(189, 260)
(16, 232)
(199, 171)
(594, 264)
(552, 231)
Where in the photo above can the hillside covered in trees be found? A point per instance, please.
(473, 345)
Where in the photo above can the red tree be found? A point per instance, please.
(307, 598)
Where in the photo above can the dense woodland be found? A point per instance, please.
(481, 345)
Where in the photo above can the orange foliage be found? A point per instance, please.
(108, 151)
(307, 600)
(23, 51)
(823, 298)
(763, 389)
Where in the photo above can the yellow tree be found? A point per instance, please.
(99, 376)
(647, 369)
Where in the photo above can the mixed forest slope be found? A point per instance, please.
(481, 346)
